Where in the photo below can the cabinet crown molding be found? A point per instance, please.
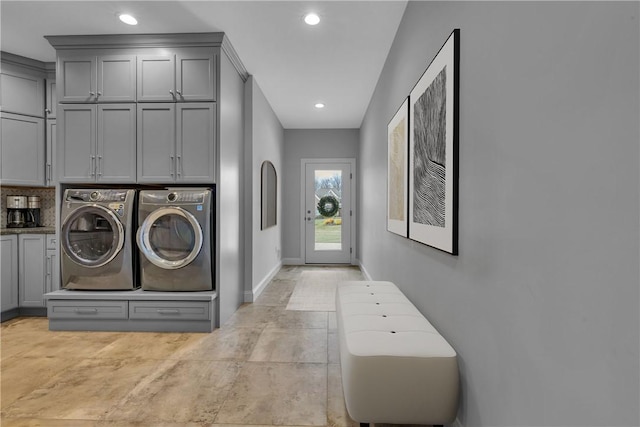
(107, 41)
(26, 63)
(114, 41)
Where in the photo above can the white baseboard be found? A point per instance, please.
(365, 273)
(292, 261)
(252, 295)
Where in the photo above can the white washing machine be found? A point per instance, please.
(97, 239)
(174, 239)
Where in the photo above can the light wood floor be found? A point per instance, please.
(265, 366)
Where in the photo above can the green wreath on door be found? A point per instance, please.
(328, 206)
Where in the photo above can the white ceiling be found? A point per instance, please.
(337, 62)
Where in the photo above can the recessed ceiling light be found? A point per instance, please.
(128, 19)
(312, 19)
(319, 105)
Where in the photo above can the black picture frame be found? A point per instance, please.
(433, 146)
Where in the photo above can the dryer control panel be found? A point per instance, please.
(89, 195)
(169, 197)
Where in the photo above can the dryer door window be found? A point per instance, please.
(92, 236)
(170, 238)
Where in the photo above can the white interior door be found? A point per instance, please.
(328, 212)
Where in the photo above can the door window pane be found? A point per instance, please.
(328, 212)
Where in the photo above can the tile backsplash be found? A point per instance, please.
(47, 203)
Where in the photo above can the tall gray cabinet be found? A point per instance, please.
(161, 109)
(24, 157)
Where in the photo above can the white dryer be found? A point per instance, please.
(97, 239)
(174, 239)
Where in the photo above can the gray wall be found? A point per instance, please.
(264, 140)
(229, 190)
(542, 303)
(307, 144)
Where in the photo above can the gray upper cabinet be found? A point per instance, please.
(22, 150)
(76, 77)
(156, 78)
(176, 142)
(22, 124)
(195, 142)
(195, 75)
(156, 142)
(52, 99)
(50, 177)
(21, 93)
(187, 75)
(90, 78)
(97, 143)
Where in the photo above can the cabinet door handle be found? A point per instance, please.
(86, 311)
(178, 92)
(171, 166)
(48, 173)
(92, 93)
(166, 311)
(179, 165)
(99, 94)
(48, 266)
(92, 166)
(99, 166)
(172, 94)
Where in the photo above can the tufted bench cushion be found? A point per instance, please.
(396, 368)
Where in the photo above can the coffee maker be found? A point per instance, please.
(16, 211)
(33, 211)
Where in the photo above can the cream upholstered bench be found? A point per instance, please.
(396, 368)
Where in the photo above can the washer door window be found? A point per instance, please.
(92, 236)
(170, 238)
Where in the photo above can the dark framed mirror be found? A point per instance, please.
(269, 199)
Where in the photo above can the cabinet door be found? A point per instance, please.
(52, 282)
(156, 78)
(22, 150)
(156, 142)
(76, 77)
(76, 144)
(9, 273)
(116, 78)
(50, 169)
(22, 94)
(52, 99)
(31, 270)
(116, 150)
(195, 75)
(195, 142)
(53, 263)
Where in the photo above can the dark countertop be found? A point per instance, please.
(34, 230)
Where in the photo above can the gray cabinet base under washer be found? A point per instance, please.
(140, 311)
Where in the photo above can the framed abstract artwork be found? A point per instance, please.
(397, 171)
(433, 148)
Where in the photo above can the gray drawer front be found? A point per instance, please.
(169, 310)
(72, 309)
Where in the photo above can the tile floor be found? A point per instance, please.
(265, 366)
